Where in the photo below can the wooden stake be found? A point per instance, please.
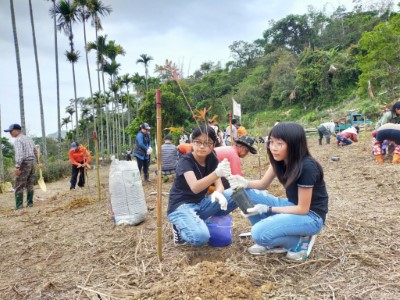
(159, 178)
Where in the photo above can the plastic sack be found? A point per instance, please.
(128, 204)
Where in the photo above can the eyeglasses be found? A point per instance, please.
(208, 144)
(275, 145)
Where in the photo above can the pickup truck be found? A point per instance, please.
(351, 120)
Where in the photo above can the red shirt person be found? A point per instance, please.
(244, 145)
(348, 136)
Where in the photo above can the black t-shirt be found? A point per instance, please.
(180, 192)
(310, 177)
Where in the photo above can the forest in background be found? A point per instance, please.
(306, 68)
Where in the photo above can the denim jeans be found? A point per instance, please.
(189, 218)
(342, 139)
(281, 230)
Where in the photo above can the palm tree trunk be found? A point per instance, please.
(88, 71)
(58, 84)
(107, 115)
(38, 82)
(76, 104)
(129, 114)
(20, 85)
(146, 73)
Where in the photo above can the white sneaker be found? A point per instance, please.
(260, 250)
(303, 249)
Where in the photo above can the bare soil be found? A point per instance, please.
(67, 247)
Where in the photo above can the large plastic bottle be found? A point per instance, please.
(128, 203)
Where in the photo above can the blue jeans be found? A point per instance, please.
(342, 139)
(189, 218)
(281, 230)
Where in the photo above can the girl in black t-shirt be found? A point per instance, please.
(189, 205)
(287, 225)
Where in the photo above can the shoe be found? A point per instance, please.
(303, 249)
(72, 189)
(379, 159)
(260, 250)
(178, 240)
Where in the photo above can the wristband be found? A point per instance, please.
(269, 210)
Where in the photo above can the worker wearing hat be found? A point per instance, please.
(244, 145)
(143, 150)
(80, 158)
(25, 160)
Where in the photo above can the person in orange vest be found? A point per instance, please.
(184, 148)
(241, 130)
(80, 158)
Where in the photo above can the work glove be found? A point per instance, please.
(258, 209)
(237, 182)
(149, 150)
(223, 169)
(217, 196)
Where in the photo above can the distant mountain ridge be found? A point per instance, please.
(55, 134)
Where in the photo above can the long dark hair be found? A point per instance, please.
(396, 105)
(210, 133)
(294, 136)
(204, 129)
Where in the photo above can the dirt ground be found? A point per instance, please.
(67, 247)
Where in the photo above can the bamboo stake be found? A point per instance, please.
(159, 181)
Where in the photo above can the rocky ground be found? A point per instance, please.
(67, 247)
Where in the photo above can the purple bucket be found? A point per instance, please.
(220, 228)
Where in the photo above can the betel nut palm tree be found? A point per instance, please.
(145, 60)
(44, 147)
(66, 13)
(20, 85)
(91, 9)
(53, 15)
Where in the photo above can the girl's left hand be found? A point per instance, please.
(258, 209)
(217, 196)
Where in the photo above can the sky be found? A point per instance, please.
(186, 32)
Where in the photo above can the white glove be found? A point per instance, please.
(217, 196)
(258, 209)
(223, 169)
(149, 150)
(236, 182)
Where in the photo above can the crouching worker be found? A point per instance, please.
(348, 136)
(287, 225)
(188, 206)
(80, 158)
(390, 132)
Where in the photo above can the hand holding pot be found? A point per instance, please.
(223, 169)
